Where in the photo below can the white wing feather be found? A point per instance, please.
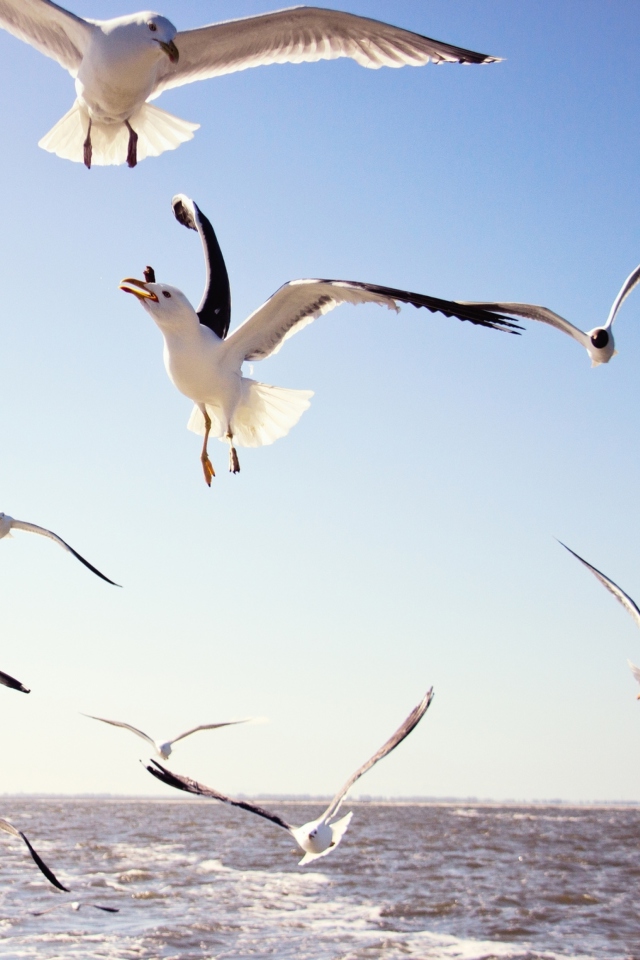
(125, 726)
(532, 311)
(632, 281)
(634, 670)
(302, 34)
(49, 28)
(207, 726)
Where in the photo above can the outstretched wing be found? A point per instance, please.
(33, 528)
(634, 670)
(37, 859)
(531, 311)
(215, 307)
(303, 34)
(125, 726)
(403, 731)
(632, 281)
(8, 681)
(630, 605)
(49, 28)
(208, 726)
(192, 786)
(299, 302)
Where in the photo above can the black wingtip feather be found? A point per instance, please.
(39, 862)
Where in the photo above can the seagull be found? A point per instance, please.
(8, 681)
(39, 862)
(75, 905)
(163, 747)
(7, 524)
(630, 605)
(318, 837)
(122, 63)
(599, 342)
(205, 365)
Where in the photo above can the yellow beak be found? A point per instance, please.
(170, 49)
(138, 288)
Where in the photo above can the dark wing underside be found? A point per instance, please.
(37, 859)
(8, 681)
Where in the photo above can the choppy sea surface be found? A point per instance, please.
(194, 880)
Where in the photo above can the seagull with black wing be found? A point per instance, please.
(318, 837)
(120, 64)
(206, 365)
(164, 747)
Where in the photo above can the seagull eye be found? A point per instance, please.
(165, 293)
(152, 27)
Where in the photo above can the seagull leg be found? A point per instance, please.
(87, 147)
(234, 463)
(207, 466)
(132, 150)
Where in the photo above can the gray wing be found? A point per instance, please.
(192, 786)
(49, 28)
(303, 34)
(125, 726)
(34, 528)
(8, 681)
(37, 859)
(207, 726)
(299, 302)
(403, 731)
(532, 311)
(623, 598)
(632, 281)
(634, 670)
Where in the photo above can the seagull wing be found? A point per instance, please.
(632, 281)
(192, 786)
(8, 681)
(302, 34)
(299, 302)
(126, 726)
(39, 862)
(215, 307)
(403, 731)
(207, 726)
(531, 311)
(33, 528)
(49, 28)
(623, 598)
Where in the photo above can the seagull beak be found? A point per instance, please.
(138, 288)
(170, 49)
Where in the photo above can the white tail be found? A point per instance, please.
(264, 414)
(157, 131)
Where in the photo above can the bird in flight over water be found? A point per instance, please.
(163, 747)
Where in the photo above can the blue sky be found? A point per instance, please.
(402, 534)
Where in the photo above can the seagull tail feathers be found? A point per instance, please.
(157, 131)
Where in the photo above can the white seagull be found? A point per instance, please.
(630, 605)
(163, 747)
(37, 859)
(206, 365)
(7, 524)
(8, 681)
(319, 837)
(120, 64)
(598, 342)
(75, 905)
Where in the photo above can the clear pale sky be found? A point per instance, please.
(402, 535)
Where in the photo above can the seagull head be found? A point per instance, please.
(146, 30)
(164, 749)
(601, 345)
(314, 837)
(167, 305)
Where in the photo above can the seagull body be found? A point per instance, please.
(164, 747)
(7, 524)
(121, 63)
(623, 598)
(598, 343)
(37, 859)
(318, 837)
(206, 365)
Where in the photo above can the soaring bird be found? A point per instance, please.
(318, 837)
(163, 747)
(37, 859)
(7, 524)
(598, 342)
(206, 365)
(120, 64)
(630, 605)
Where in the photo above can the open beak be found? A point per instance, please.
(138, 288)
(170, 49)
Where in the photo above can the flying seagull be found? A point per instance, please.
(630, 605)
(39, 862)
(205, 365)
(75, 905)
(122, 63)
(7, 524)
(320, 836)
(8, 681)
(598, 342)
(163, 747)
